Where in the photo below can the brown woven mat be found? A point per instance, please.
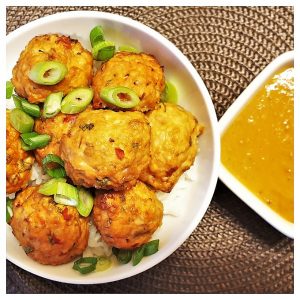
(233, 250)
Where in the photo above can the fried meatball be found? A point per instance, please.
(127, 219)
(56, 127)
(50, 233)
(106, 149)
(173, 146)
(139, 72)
(70, 52)
(18, 161)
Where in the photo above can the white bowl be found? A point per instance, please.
(287, 228)
(191, 198)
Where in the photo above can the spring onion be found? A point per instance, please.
(31, 109)
(77, 101)
(26, 147)
(170, 93)
(48, 162)
(96, 35)
(50, 187)
(52, 105)
(103, 50)
(103, 263)
(35, 141)
(48, 72)
(66, 194)
(21, 121)
(85, 265)
(120, 96)
(9, 211)
(9, 89)
(127, 48)
(85, 202)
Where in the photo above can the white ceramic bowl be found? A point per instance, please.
(191, 198)
(287, 228)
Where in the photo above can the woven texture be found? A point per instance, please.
(232, 250)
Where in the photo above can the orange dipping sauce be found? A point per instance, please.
(258, 146)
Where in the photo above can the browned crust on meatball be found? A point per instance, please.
(50, 233)
(18, 161)
(138, 71)
(127, 219)
(70, 52)
(106, 149)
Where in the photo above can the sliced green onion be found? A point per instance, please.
(50, 187)
(85, 202)
(137, 255)
(67, 194)
(26, 136)
(9, 89)
(48, 72)
(103, 263)
(120, 96)
(9, 211)
(26, 147)
(31, 109)
(124, 256)
(37, 141)
(51, 159)
(127, 48)
(21, 121)
(77, 101)
(96, 35)
(52, 105)
(170, 93)
(85, 265)
(103, 50)
(151, 247)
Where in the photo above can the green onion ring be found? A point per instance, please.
(48, 72)
(127, 48)
(103, 50)
(52, 105)
(170, 93)
(9, 209)
(85, 265)
(56, 172)
(103, 263)
(66, 194)
(85, 202)
(50, 187)
(21, 121)
(31, 109)
(96, 35)
(9, 89)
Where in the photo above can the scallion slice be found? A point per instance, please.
(85, 265)
(9, 211)
(67, 194)
(103, 263)
(96, 35)
(85, 202)
(52, 105)
(31, 109)
(50, 187)
(57, 172)
(21, 121)
(120, 96)
(9, 89)
(77, 100)
(128, 48)
(170, 93)
(103, 50)
(38, 141)
(48, 72)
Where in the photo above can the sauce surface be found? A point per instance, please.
(258, 146)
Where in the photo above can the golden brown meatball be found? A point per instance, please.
(70, 52)
(56, 127)
(50, 233)
(139, 72)
(173, 147)
(18, 161)
(106, 149)
(127, 219)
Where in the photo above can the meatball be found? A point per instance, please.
(127, 219)
(106, 149)
(50, 233)
(56, 127)
(173, 146)
(70, 52)
(18, 161)
(139, 72)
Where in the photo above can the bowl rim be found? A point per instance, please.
(274, 219)
(207, 101)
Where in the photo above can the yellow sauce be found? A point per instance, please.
(258, 146)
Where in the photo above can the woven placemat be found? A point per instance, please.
(232, 250)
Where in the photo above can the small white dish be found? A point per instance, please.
(282, 225)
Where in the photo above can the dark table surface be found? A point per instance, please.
(232, 250)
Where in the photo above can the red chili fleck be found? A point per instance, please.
(65, 214)
(70, 118)
(120, 153)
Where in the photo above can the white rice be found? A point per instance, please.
(37, 175)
